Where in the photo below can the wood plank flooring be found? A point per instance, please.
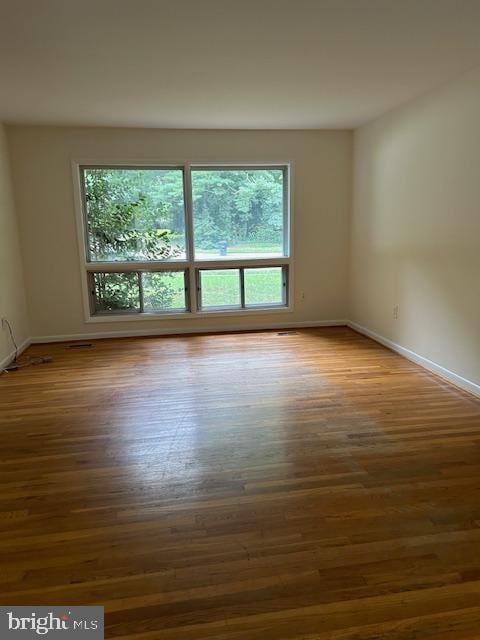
(254, 486)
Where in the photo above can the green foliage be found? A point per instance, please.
(124, 223)
(237, 206)
(164, 290)
(206, 233)
(117, 291)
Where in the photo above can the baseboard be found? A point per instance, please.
(446, 374)
(8, 359)
(190, 330)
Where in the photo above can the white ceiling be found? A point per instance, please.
(227, 63)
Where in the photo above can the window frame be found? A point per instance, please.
(141, 311)
(243, 306)
(190, 266)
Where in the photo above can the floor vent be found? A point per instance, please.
(287, 333)
(79, 345)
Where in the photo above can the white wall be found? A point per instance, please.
(12, 298)
(415, 233)
(41, 163)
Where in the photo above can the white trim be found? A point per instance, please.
(81, 237)
(291, 233)
(446, 374)
(9, 359)
(191, 274)
(305, 324)
(186, 315)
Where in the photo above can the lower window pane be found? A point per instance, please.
(264, 286)
(116, 292)
(220, 288)
(163, 291)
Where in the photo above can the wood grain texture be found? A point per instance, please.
(252, 486)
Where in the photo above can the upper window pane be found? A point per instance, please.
(134, 214)
(238, 213)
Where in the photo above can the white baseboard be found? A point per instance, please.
(183, 330)
(8, 359)
(450, 376)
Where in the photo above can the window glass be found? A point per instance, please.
(263, 286)
(220, 288)
(163, 291)
(134, 214)
(238, 213)
(116, 292)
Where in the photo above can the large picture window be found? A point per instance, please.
(185, 239)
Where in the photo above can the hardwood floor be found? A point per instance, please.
(248, 486)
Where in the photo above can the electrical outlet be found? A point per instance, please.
(395, 312)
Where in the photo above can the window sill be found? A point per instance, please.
(187, 315)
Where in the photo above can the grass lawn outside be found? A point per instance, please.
(221, 287)
(257, 250)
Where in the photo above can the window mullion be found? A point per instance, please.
(120, 266)
(140, 291)
(192, 288)
(242, 288)
(285, 293)
(198, 289)
(187, 176)
(92, 292)
(186, 289)
(286, 213)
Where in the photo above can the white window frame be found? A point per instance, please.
(190, 265)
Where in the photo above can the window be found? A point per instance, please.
(238, 213)
(219, 288)
(265, 286)
(134, 214)
(138, 291)
(185, 239)
(242, 288)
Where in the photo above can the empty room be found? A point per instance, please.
(240, 319)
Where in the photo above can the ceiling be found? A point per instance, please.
(227, 63)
